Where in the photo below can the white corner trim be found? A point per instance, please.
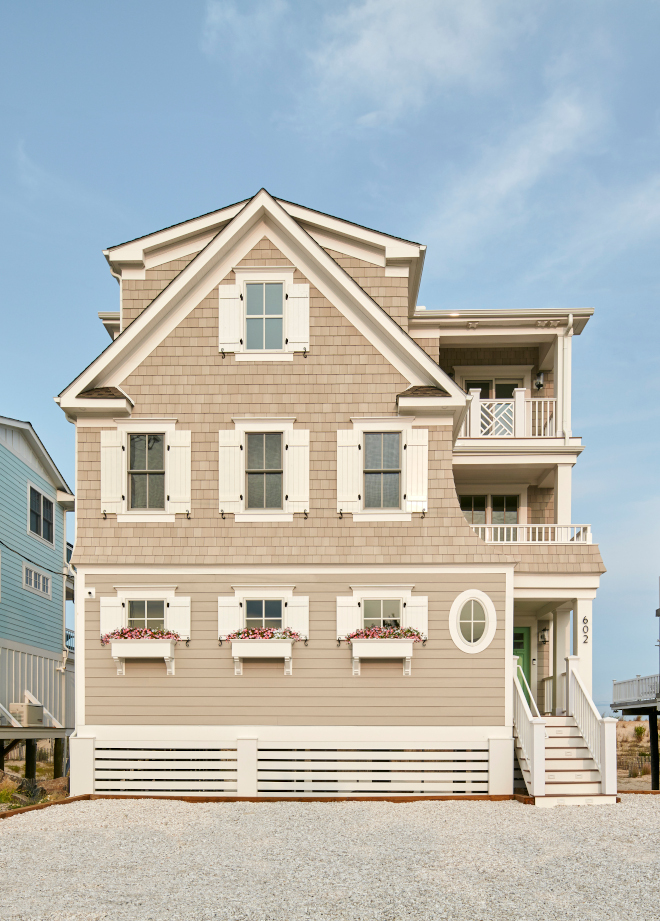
(491, 621)
(142, 518)
(263, 356)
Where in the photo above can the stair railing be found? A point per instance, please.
(530, 732)
(599, 733)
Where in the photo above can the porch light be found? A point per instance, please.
(544, 636)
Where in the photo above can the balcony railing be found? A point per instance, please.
(516, 418)
(639, 688)
(534, 533)
(70, 640)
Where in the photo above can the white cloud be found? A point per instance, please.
(236, 29)
(386, 55)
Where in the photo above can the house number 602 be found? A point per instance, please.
(585, 630)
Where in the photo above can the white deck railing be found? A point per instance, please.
(548, 698)
(530, 732)
(516, 418)
(534, 533)
(598, 733)
(639, 688)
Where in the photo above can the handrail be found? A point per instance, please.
(581, 707)
(531, 696)
(533, 533)
(530, 732)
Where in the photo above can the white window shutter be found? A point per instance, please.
(349, 615)
(417, 470)
(230, 318)
(178, 471)
(230, 617)
(349, 470)
(177, 616)
(113, 471)
(416, 613)
(296, 614)
(112, 615)
(296, 470)
(297, 318)
(230, 463)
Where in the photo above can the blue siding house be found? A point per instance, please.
(36, 650)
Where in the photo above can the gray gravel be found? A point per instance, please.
(285, 861)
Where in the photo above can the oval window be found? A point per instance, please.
(472, 621)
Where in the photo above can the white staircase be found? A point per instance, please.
(565, 760)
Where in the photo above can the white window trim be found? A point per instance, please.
(383, 424)
(244, 424)
(165, 593)
(42, 492)
(494, 372)
(472, 594)
(402, 593)
(263, 275)
(42, 573)
(148, 425)
(244, 593)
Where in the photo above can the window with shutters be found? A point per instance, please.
(146, 607)
(263, 613)
(381, 612)
(264, 470)
(146, 471)
(382, 469)
(382, 606)
(264, 316)
(146, 613)
(263, 607)
(40, 515)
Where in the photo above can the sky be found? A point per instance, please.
(517, 139)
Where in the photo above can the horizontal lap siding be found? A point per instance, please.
(447, 686)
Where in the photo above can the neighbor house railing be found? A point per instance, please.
(530, 732)
(70, 640)
(534, 533)
(516, 418)
(639, 688)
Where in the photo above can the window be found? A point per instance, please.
(494, 389)
(382, 469)
(381, 613)
(146, 472)
(41, 515)
(146, 614)
(263, 613)
(35, 581)
(505, 509)
(472, 621)
(474, 508)
(497, 510)
(264, 316)
(263, 470)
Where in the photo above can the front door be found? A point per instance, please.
(521, 648)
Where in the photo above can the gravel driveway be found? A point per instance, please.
(172, 861)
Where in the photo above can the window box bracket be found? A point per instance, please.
(142, 649)
(382, 649)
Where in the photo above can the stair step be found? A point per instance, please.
(575, 787)
(565, 742)
(570, 776)
(554, 732)
(569, 764)
(559, 720)
(549, 801)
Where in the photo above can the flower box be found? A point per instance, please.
(382, 649)
(143, 649)
(261, 649)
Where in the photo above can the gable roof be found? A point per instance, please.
(36, 446)
(260, 215)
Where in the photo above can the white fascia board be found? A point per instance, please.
(66, 500)
(467, 452)
(543, 581)
(261, 215)
(113, 408)
(456, 320)
(425, 406)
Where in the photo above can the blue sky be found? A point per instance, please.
(517, 139)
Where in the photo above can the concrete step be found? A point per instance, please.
(572, 788)
(570, 776)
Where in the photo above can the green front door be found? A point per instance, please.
(521, 648)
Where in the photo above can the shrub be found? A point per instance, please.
(646, 769)
(639, 732)
(632, 771)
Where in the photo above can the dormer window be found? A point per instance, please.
(264, 316)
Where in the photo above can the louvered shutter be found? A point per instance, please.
(297, 318)
(113, 471)
(296, 470)
(417, 470)
(230, 318)
(349, 470)
(296, 614)
(349, 615)
(416, 613)
(230, 616)
(112, 615)
(230, 464)
(177, 616)
(178, 471)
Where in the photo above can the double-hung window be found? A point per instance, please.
(474, 508)
(264, 471)
(263, 613)
(147, 614)
(381, 612)
(146, 471)
(264, 316)
(382, 470)
(41, 515)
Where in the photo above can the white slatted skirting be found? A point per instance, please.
(194, 769)
(319, 771)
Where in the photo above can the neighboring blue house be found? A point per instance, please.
(36, 650)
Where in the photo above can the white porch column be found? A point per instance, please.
(561, 647)
(519, 428)
(563, 475)
(81, 752)
(583, 639)
(475, 413)
(500, 767)
(246, 766)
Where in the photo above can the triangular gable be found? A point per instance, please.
(22, 440)
(261, 215)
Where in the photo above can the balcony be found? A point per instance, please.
(640, 691)
(516, 418)
(533, 533)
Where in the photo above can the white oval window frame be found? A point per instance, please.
(472, 594)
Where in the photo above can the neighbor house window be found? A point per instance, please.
(381, 613)
(146, 615)
(146, 472)
(264, 316)
(263, 613)
(474, 508)
(35, 581)
(472, 621)
(263, 470)
(41, 515)
(382, 470)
